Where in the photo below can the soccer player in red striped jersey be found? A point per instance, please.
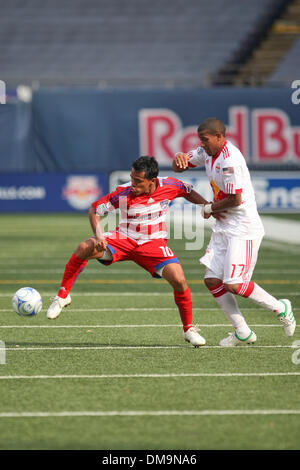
(140, 237)
(232, 252)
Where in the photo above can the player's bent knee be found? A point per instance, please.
(174, 274)
(211, 282)
(178, 282)
(85, 249)
(180, 285)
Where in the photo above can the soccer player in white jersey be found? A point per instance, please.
(141, 236)
(232, 252)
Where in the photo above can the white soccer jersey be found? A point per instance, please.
(228, 174)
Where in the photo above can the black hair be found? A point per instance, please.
(147, 164)
(213, 126)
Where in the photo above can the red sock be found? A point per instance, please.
(73, 268)
(245, 289)
(184, 303)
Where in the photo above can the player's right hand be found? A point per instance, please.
(181, 160)
(101, 244)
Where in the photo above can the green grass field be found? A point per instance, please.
(113, 371)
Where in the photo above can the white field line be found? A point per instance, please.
(149, 376)
(128, 294)
(115, 348)
(61, 414)
(202, 325)
(141, 309)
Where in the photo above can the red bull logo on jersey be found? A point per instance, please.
(218, 194)
(81, 191)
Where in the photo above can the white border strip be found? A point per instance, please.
(142, 309)
(150, 376)
(57, 414)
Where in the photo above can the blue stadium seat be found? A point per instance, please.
(288, 68)
(120, 42)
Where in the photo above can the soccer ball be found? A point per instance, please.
(27, 302)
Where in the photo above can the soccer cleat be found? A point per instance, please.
(233, 340)
(57, 305)
(192, 336)
(287, 318)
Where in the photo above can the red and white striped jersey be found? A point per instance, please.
(143, 218)
(228, 174)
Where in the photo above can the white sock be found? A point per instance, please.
(229, 305)
(253, 291)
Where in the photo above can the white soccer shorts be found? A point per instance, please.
(230, 259)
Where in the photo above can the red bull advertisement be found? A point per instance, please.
(105, 130)
(263, 135)
(50, 192)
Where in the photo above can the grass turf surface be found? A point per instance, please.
(117, 360)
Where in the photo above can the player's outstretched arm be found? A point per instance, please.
(180, 162)
(95, 221)
(195, 198)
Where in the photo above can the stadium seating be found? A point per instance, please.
(118, 42)
(288, 68)
(257, 59)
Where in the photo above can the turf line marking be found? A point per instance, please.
(140, 309)
(212, 325)
(92, 348)
(57, 414)
(150, 376)
(129, 294)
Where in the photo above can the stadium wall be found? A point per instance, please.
(66, 137)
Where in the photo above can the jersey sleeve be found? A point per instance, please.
(196, 157)
(232, 176)
(111, 201)
(176, 188)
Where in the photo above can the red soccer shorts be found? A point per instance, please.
(153, 256)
